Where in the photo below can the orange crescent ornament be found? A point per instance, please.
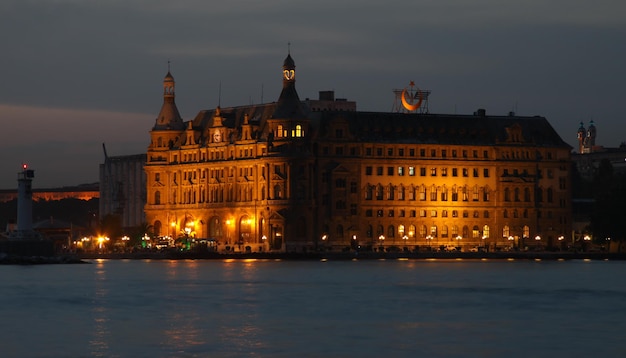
(407, 105)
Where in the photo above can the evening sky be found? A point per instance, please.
(79, 73)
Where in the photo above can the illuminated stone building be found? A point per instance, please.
(302, 175)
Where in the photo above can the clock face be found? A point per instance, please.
(289, 74)
(217, 137)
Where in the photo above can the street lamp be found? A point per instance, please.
(561, 238)
(586, 239)
(538, 240)
(381, 240)
(458, 242)
(429, 239)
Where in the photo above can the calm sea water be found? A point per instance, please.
(413, 308)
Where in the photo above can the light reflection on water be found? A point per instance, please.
(399, 308)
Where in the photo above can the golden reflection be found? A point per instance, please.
(510, 259)
(99, 343)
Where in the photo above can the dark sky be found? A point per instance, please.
(78, 73)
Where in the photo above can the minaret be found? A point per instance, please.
(591, 133)
(25, 203)
(581, 134)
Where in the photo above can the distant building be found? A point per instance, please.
(301, 175)
(81, 192)
(590, 155)
(123, 189)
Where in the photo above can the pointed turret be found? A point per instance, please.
(581, 134)
(288, 105)
(169, 117)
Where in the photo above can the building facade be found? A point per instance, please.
(123, 189)
(299, 175)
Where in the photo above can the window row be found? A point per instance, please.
(427, 171)
(422, 193)
(423, 213)
(426, 152)
(426, 232)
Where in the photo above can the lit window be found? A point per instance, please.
(298, 132)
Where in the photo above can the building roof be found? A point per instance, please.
(476, 129)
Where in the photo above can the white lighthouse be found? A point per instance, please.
(24, 206)
(25, 199)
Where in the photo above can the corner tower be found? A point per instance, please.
(168, 117)
(289, 121)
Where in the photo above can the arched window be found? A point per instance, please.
(369, 192)
(526, 194)
(298, 132)
(505, 231)
(215, 227)
(391, 231)
(465, 231)
(280, 131)
(411, 231)
(157, 198)
(444, 231)
(475, 232)
(526, 231)
(486, 231)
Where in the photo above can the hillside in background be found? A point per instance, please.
(83, 213)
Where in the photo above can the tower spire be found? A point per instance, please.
(169, 117)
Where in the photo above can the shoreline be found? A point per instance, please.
(81, 258)
(338, 256)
